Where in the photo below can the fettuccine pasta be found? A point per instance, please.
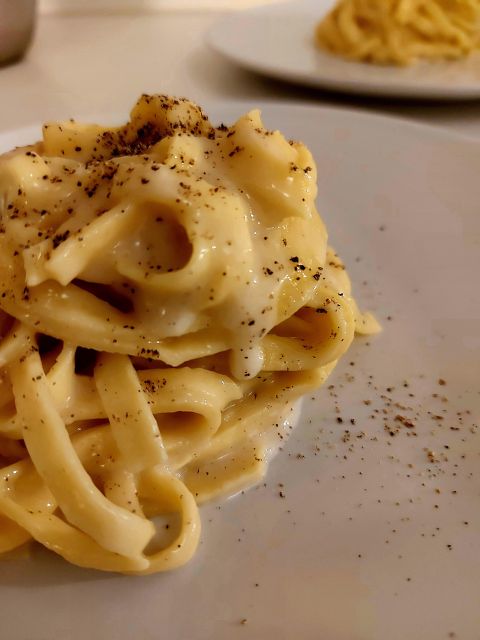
(401, 31)
(166, 294)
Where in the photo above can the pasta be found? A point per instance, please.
(166, 294)
(401, 31)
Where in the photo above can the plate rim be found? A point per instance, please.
(440, 132)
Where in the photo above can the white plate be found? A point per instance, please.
(357, 548)
(278, 41)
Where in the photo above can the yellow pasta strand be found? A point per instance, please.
(401, 31)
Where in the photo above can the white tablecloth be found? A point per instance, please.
(100, 6)
(94, 64)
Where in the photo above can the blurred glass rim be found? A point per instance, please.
(17, 23)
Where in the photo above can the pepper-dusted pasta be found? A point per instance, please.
(166, 294)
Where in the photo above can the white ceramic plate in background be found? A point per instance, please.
(278, 41)
(375, 537)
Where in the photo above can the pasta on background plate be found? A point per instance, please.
(166, 294)
(401, 31)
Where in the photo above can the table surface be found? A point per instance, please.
(98, 64)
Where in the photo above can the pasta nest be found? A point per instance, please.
(166, 294)
(401, 31)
